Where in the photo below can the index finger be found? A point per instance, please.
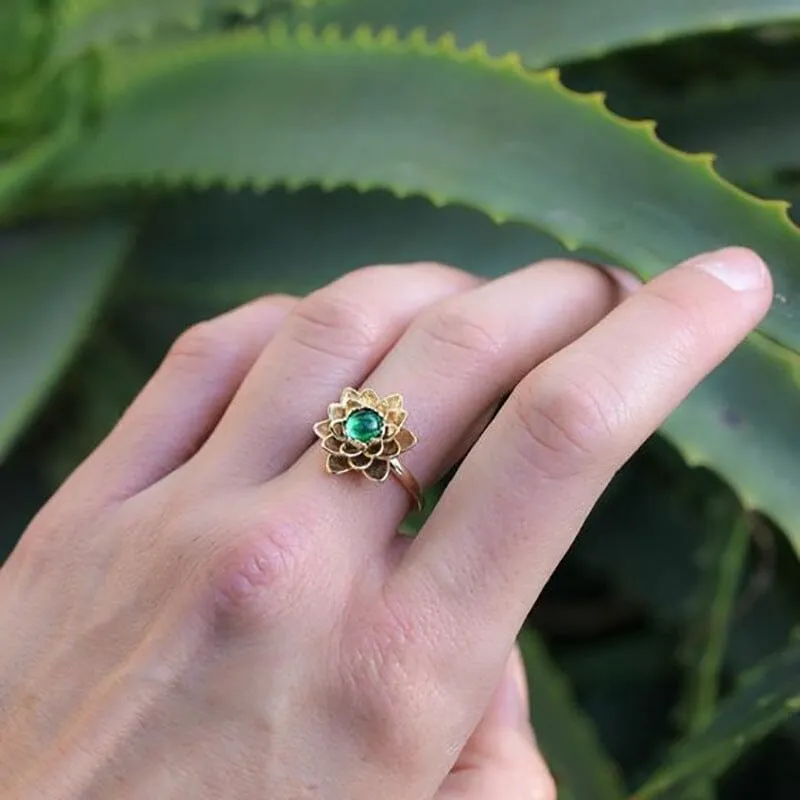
(521, 496)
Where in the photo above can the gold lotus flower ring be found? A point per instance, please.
(366, 433)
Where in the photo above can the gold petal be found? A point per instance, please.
(350, 394)
(331, 444)
(370, 398)
(336, 411)
(378, 470)
(361, 461)
(337, 464)
(393, 401)
(375, 448)
(323, 429)
(349, 448)
(397, 416)
(389, 432)
(391, 449)
(353, 404)
(337, 429)
(405, 439)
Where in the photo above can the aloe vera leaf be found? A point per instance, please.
(752, 126)
(747, 406)
(19, 173)
(722, 559)
(767, 696)
(216, 249)
(53, 278)
(565, 734)
(643, 538)
(422, 118)
(544, 32)
(91, 23)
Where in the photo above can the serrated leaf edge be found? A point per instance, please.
(278, 35)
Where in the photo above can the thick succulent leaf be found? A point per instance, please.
(643, 538)
(722, 559)
(747, 406)
(21, 25)
(88, 23)
(261, 109)
(97, 391)
(753, 127)
(546, 32)
(18, 173)
(216, 250)
(52, 280)
(566, 736)
(768, 696)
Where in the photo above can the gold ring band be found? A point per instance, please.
(367, 433)
(404, 477)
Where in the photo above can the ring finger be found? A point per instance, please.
(332, 338)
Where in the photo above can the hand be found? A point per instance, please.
(202, 612)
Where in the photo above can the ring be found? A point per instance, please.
(367, 434)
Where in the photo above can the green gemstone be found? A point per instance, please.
(363, 425)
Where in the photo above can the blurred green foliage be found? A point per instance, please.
(162, 161)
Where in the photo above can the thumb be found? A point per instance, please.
(501, 759)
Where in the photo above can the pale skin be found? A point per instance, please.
(202, 612)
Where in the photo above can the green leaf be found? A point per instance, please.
(546, 32)
(22, 25)
(214, 250)
(89, 23)
(564, 733)
(643, 538)
(722, 560)
(52, 280)
(422, 118)
(97, 390)
(19, 173)
(754, 126)
(747, 405)
(768, 696)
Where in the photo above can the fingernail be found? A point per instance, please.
(511, 699)
(737, 267)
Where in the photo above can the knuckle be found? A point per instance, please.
(200, 346)
(328, 322)
(566, 422)
(680, 318)
(450, 328)
(256, 576)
